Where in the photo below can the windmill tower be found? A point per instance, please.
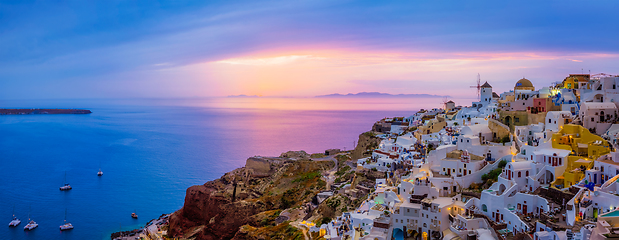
(448, 105)
(478, 86)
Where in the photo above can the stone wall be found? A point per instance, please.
(499, 130)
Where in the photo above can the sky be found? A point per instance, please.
(187, 49)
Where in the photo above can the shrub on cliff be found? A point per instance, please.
(306, 177)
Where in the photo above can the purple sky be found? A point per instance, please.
(108, 49)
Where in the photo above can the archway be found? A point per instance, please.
(502, 189)
(508, 120)
(598, 98)
(547, 178)
(398, 234)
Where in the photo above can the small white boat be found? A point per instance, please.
(66, 225)
(31, 225)
(15, 222)
(66, 186)
(100, 173)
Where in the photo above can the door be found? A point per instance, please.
(524, 209)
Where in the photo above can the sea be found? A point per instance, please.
(152, 150)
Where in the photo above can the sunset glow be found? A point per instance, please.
(302, 49)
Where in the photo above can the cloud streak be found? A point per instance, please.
(293, 48)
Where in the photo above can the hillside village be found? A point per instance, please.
(529, 163)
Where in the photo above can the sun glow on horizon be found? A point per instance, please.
(311, 72)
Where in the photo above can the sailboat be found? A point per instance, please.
(66, 186)
(31, 224)
(66, 225)
(15, 221)
(100, 173)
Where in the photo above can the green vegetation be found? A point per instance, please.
(307, 176)
(317, 155)
(342, 171)
(504, 139)
(369, 134)
(502, 164)
(431, 147)
(324, 220)
(494, 174)
(333, 202)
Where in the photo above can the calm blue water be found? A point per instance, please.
(149, 153)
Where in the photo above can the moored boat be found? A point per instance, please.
(31, 225)
(66, 225)
(66, 186)
(15, 222)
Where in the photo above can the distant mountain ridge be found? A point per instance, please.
(378, 94)
(243, 96)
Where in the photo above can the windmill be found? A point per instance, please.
(478, 86)
(444, 103)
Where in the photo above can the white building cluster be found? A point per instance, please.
(526, 163)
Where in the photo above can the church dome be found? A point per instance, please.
(523, 84)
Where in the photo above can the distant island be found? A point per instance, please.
(379, 95)
(4, 111)
(243, 96)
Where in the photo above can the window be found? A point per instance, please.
(560, 161)
(469, 171)
(549, 121)
(465, 165)
(527, 173)
(519, 174)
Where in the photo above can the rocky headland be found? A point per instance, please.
(5, 111)
(270, 196)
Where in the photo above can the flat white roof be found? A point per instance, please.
(599, 105)
(551, 151)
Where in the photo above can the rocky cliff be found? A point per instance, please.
(243, 202)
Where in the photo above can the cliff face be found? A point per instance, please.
(217, 209)
(367, 142)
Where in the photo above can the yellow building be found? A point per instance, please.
(576, 81)
(585, 147)
(432, 126)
